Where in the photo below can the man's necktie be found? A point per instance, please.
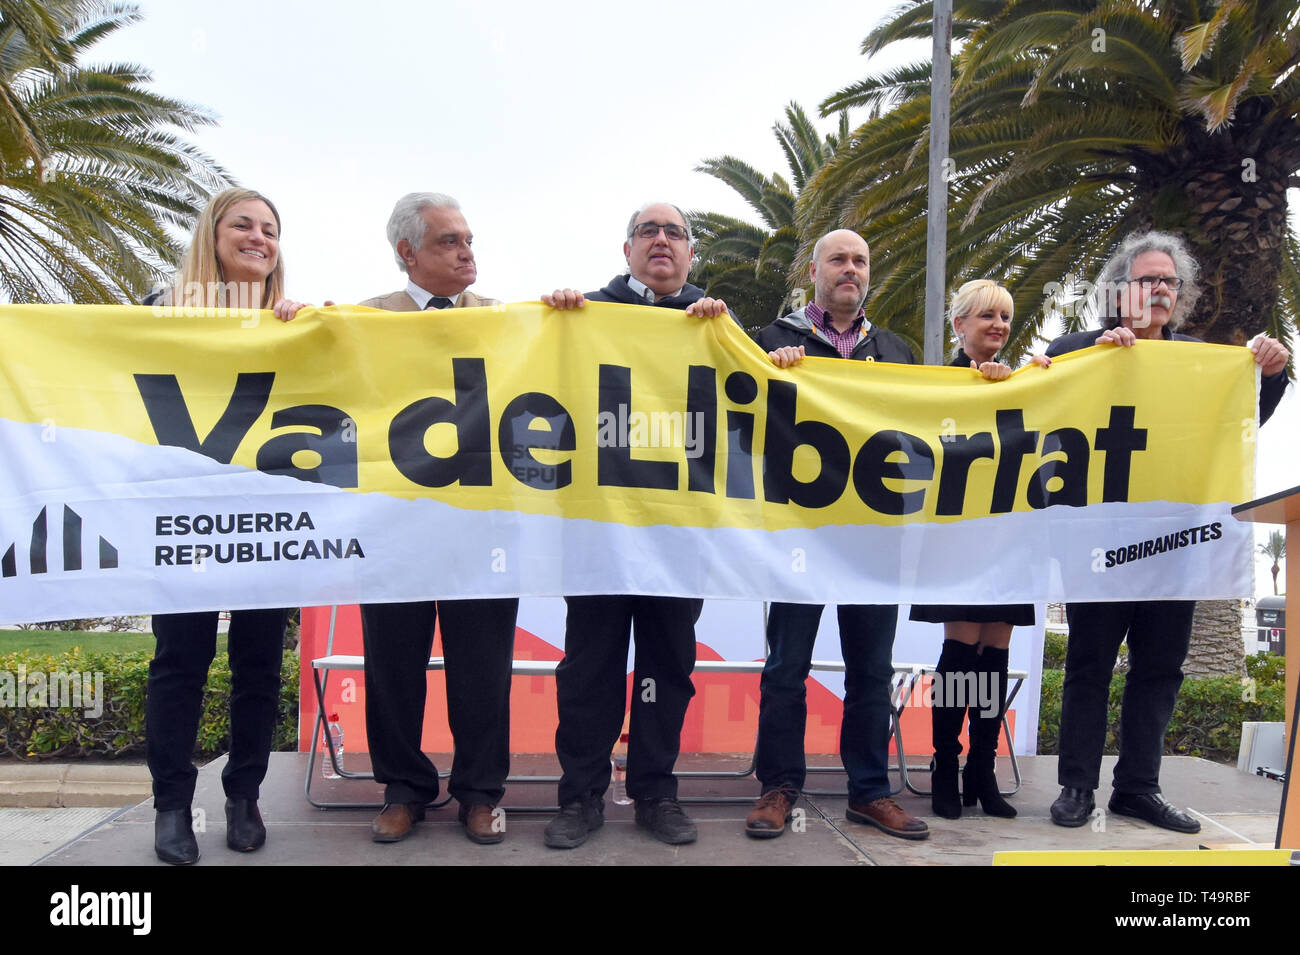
(439, 301)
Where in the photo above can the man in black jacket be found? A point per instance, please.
(591, 679)
(1144, 291)
(833, 326)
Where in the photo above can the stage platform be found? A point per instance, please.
(1233, 809)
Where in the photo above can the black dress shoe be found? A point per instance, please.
(666, 821)
(1073, 807)
(173, 837)
(244, 829)
(1153, 808)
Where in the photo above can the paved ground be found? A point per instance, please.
(1235, 809)
(27, 835)
(30, 784)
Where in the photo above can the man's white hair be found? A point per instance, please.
(407, 223)
(1103, 303)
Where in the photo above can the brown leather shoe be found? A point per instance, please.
(769, 816)
(480, 822)
(888, 816)
(395, 820)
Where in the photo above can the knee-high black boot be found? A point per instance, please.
(946, 714)
(979, 781)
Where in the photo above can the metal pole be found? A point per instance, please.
(936, 229)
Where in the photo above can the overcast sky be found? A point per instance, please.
(550, 123)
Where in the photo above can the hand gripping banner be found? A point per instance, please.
(155, 460)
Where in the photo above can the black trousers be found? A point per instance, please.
(478, 640)
(1158, 633)
(187, 642)
(591, 693)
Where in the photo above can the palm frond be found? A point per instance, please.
(95, 175)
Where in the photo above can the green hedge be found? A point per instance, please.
(1207, 717)
(1206, 722)
(42, 732)
(1054, 650)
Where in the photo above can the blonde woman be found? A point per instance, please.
(976, 638)
(233, 262)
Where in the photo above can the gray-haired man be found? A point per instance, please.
(432, 244)
(1145, 290)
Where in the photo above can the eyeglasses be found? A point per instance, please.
(648, 230)
(1172, 282)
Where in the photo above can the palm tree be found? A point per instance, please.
(1216, 647)
(1075, 122)
(1274, 550)
(94, 182)
(751, 266)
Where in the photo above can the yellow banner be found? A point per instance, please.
(632, 418)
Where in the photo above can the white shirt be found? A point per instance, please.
(646, 292)
(421, 297)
